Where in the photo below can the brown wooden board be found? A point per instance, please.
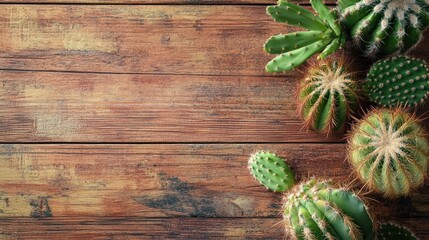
(160, 2)
(39, 106)
(211, 40)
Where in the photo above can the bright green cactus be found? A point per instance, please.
(327, 98)
(391, 231)
(384, 27)
(318, 210)
(271, 171)
(389, 152)
(324, 35)
(398, 81)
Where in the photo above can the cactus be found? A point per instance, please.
(327, 98)
(318, 210)
(324, 35)
(389, 150)
(384, 27)
(271, 171)
(391, 231)
(398, 81)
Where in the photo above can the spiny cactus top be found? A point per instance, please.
(324, 35)
(385, 27)
(389, 151)
(327, 97)
(398, 81)
(317, 210)
(271, 171)
(391, 231)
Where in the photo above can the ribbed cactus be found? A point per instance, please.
(324, 35)
(327, 97)
(389, 152)
(391, 231)
(384, 27)
(398, 81)
(318, 210)
(271, 171)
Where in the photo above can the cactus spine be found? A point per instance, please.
(317, 210)
(384, 27)
(389, 151)
(397, 81)
(271, 171)
(324, 35)
(391, 231)
(327, 98)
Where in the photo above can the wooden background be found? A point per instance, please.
(135, 119)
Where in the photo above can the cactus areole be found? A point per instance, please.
(389, 152)
(398, 81)
(384, 27)
(391, 231)
(327, 98)
(323, 35)
(317, 210)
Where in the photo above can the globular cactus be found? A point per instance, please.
(327, 97)
(324, 35)
(318, 210)
(391, 231)
(384, 27)
(271, 171)
(389, 152)
(398, 81)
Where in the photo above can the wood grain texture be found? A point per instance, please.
(159, 2)
(156, 180)
(74, 107)
(210, 40)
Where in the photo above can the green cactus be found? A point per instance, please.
(384, 27)
(327, 98)
(391, 231)
(271, 171)
(398, 81)
(324, 35)
(389, 152)
(318, 210)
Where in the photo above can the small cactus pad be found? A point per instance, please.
(327, 98)
(271, 171)
(391, 231)
(389, 152)
(324, 35)
(384, 27)
(318, 210)
(398, 81)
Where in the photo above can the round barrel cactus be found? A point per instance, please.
(327, 98)
(398, 81)
(389, 152)
(318, 210)
(271, 171)
(391, 231)
(384, 27)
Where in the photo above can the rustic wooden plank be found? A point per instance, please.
(156, 2)
(141, 228)
(215, 40)
(40, 106)
(164, 180)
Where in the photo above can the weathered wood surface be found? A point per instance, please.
(46, 107)
(160, 2)
(213, 40)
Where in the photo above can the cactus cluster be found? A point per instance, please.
(271, 171)
(389, 151)
(323, 35)
(391, 231)
(318, 210)
(327, 97)
(384, 27)
(398, 81)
